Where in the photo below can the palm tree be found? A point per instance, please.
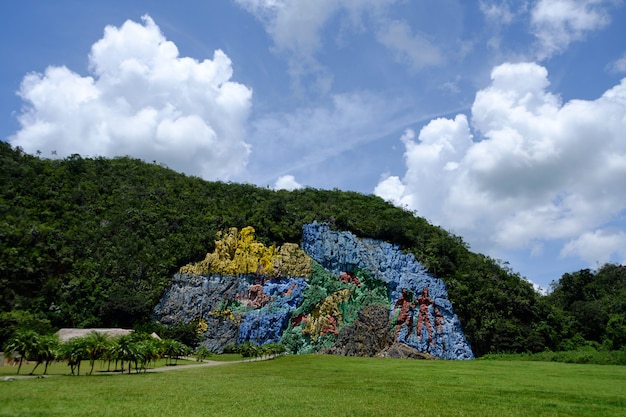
(74, 351)
(126, 350)
(174, 349)
(23, 343)
(45, 350)
(110, 354)
(50, 349)
(149, 350)
(249, 350)
(96, 346)
(202, 352)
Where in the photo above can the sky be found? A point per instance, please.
(502, 121)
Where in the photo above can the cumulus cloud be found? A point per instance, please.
(557, 23)
(140, 99)
(526, 169)
(391, 187)
(287, 182)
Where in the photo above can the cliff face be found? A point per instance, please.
(337, 294)
(423, 317)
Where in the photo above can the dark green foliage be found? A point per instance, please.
(249, 349)
(12, 321)
(587, 355)
(94, 242)
(201, 353)
(185, 333)
(593, 307)
(23, 343)
(498, 308)
(232, 349)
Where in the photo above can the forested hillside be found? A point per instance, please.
(88, 242)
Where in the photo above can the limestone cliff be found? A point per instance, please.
(330, 295)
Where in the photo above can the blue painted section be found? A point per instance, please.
(342, 251)
(266, 324)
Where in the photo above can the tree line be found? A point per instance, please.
(135, 350)
(94, 242)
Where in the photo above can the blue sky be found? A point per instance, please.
(502, 121)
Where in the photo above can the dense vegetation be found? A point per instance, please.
(593, 305)
(94, 242)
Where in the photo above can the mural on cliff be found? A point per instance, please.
(315, 297)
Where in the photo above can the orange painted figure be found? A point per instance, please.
(404, 317)
(424, 301)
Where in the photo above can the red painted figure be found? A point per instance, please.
(438, 321)
(424, 301)
(404, 304)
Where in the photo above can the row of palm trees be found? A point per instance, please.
(138, 349)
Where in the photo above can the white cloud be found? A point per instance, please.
(391, 189)
(414, 49)
(557, 23)
(318, 133)
(142, 100)
(287, 182)
(295, 27)
(597, 246)
(618, 66)
(499, 12)
(296, 30)
(538, 170)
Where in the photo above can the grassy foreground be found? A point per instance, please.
(319, 385)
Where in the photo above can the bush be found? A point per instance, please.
(202, 352)
(236, 349)
(583, 355)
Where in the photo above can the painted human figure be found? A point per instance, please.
(424, 301)
(256, 295)
(438, 321)
(404, 316)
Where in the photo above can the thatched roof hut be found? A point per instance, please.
(67, 334)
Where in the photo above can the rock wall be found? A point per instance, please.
(234, 307)
(338, 294)
(427, 324)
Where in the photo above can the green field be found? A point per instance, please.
(320, 385)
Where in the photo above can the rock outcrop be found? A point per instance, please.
(367, 336)
(427, 323)
(337, 294)
(224, 303)
(402, 351)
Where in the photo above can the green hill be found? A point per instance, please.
(94, 242)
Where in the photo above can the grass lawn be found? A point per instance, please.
(322, 385)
